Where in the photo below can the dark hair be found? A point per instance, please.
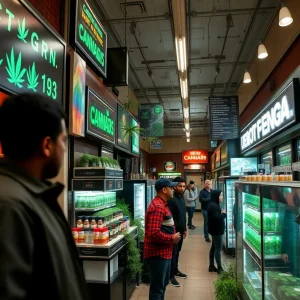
(25, 120)
(214, 196)
(178, 179)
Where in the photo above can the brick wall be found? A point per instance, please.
(51, 10)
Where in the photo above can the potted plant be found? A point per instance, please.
(226, 284)
(94, 162)
(84, 161)
(134, 264)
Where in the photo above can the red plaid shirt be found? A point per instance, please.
(159, 228)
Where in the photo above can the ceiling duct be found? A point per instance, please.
(133, 8)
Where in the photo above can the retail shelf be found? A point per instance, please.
(265, 210)
(94, 209)
(252, 292)
(112, 278)
(254, 229)
(252, 207)
(255, 282)
(253, 252)
(272, 233)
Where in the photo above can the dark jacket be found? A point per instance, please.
(204, 198)
(38, 256)
(178, 210)
(216, 219)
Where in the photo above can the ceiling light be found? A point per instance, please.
(188, 140)
(262, 51)
(285, 17)
(186, 112)
(247, 77)
(181, 53)
(188, 134)
(184, 88)
(187, 126)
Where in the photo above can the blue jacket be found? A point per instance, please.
(204, 198)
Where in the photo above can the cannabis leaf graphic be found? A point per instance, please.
(1, 60)
(15, 71)
(32, 78)
(22, 31)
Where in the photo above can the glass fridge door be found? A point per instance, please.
(149, 194)
(230, 200)
(281, 231)
(139, 200)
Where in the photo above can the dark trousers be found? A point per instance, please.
(205, 225)
(159, 271)
(175, 256)
(215, 250)
(190, 215)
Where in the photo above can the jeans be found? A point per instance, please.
(190, 215)
(175, 256)
(205, 226)
(215, 250)
(159, 271)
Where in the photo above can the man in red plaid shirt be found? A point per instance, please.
(159, 238)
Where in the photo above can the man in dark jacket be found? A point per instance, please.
(204, 198)
(38, 256)
(178, 210)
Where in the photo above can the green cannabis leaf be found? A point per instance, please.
(131, 130)
(32, 77)
(22, 31)
(1, 60)
(15, 71)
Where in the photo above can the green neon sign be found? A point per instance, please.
(135, 139)
(90, 36)
(32, 57)
(100, 118)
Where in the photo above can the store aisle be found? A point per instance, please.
(193, 261)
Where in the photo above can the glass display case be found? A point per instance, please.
(267, 161)
(226, 185)
(284, 155)
(268, 240)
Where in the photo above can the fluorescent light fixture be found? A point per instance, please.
(262, 51)
(247, 77)
(284, 151)
(285, 17)
(186, 112)
(188, 140)
(184, 88)
(187, 126)
(266, 157)
(181, 53)
(188, 134)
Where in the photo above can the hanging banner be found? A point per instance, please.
(151, 118)
(32, 56)
(90, 36)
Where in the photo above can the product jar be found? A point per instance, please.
(103, 235)
(93, 223)
(79, 223)
(86, 223)
(81, 236)
(75, 232)
(96, 235)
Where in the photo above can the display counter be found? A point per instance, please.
(268, 239)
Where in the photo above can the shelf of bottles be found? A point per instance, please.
(94, 201)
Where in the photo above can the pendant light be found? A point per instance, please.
(188, 140)
(262, 51)
(247, 77)
(285, 17)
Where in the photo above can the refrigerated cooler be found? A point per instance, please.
(226, 185)
(268, 240)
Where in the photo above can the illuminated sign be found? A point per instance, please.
(90, 36)
(32, 57)
(168, 175)
(278, 114)
(194, 157)
(100, 118)
(135, 139)
(170, 166)
(194, 167)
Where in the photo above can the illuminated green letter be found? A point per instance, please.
(10, 16)
(44, 49)
(34, 44)
(92, 111)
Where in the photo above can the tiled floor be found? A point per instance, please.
(193, 261)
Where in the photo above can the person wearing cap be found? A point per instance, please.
(178, 210)
(190, 196)
(160, 236)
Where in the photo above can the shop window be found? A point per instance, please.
(267, 161)
(284, 155)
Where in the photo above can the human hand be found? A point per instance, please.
(223, 211)
(185, 234)
(176, 237)
(285, 258)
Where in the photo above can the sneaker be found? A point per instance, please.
(207, 240)
(191, 227)
(174, 282)
(180, 275)
(194, 227)
(212, 269)
(220, 270)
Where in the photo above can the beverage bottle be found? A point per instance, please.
(276, 222)
(265, 221)
(278, 245)
(273, 246)
(267, 245)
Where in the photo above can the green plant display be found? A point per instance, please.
(124, 207)
(22, 32)
(32, 77)
(138, 223)
(1, 61)
(134, 264)
(14, 69)
(226, 284)
(131, 130)
(84, 160)
(94, 161)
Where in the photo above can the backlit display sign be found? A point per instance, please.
(194, 157)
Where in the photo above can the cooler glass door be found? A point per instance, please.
(139, 200)
(230, 200)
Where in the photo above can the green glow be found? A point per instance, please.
(169, 173)
(14, 69)
(22, 32)
(34, 43)
(49, 87)
(44, 49)
(10, 17)
(93, 21)
(32, 78)
(102, 121)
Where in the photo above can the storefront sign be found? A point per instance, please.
(170, 166)
(194, 167)
(277, 115)
(32, 57)
(156, 144)
(169, 175)
(90, 36)
(100, 118)
(194, 157)
(135, 139)
(151, 117)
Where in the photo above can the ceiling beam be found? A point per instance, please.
(194, 14)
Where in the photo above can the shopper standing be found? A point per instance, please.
(204, 198)
(216, 228)
(190, 196)
(38, 256)
(159, 238)
(178, 210)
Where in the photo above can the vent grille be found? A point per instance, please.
(133, 8)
